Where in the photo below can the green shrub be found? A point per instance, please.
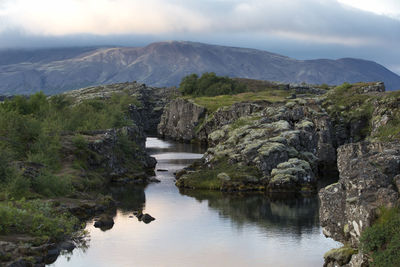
(209, 84)
(382, 240)
(36, 218)
(49, 185)
(19, 187)
(31, 129)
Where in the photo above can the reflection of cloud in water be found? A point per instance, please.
(180, 155)
(152, 142)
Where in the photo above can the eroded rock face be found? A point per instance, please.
(116, 155)
(286, 142)
(367, 172)
(153, 102)
(228, 115)
(146, 113)
(180, 119)
(104, 143)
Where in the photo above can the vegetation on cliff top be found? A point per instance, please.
(212, 91)
(31, 130)
(347, 104)
(209, 84)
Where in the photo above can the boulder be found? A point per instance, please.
(105, 222)
(147, 218)
(339, 256)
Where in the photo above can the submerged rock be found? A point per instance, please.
(146, 218)
(105, 222)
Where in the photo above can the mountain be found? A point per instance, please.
(165, 63)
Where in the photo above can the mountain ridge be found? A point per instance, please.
(165, 63)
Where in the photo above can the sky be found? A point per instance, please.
(303, 29)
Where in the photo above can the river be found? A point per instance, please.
(202, 228)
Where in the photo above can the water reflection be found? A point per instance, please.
(297, 215)
(130, 198)
(202, 228)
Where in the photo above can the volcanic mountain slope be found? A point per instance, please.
(165, 63)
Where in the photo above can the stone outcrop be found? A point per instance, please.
(287, 142)
(186, 121)
(146, 113)
(116, 155)
(180, 119)
(153, 101)
(227, 115)
(368, 175)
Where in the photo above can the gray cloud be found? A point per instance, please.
(297, 28)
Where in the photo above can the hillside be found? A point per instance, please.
(165, 63)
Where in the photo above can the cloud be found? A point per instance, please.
(368, 28)
(389, 8)
(325, 21)
(101, 17)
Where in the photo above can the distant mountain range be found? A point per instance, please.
(165, 63)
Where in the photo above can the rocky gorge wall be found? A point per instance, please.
(291, 143)
(369, 180)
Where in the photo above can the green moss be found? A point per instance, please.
(347, 104)
(267, 148)
(216, 102)
(210, 178)
(340, 255)
(243, 121)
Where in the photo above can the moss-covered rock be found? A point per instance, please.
(340, 256)
(291, 175)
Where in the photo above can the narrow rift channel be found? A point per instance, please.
(202, 228)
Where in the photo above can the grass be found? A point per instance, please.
(346, 103)
(207, 178)
(36, 218)
(33, 129)
(382, 240)
(213, 103)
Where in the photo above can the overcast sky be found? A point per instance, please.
(302, 29)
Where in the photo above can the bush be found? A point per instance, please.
(382, 240)
(36, 218)
(209, 84)
(49, 185)
(31, 129)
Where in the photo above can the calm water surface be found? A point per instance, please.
(196, 228)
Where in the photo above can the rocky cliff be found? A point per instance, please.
(180, 119)
(114, 155)
(275, 146)
(147, 109)
(286, 146)
(369, 175)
